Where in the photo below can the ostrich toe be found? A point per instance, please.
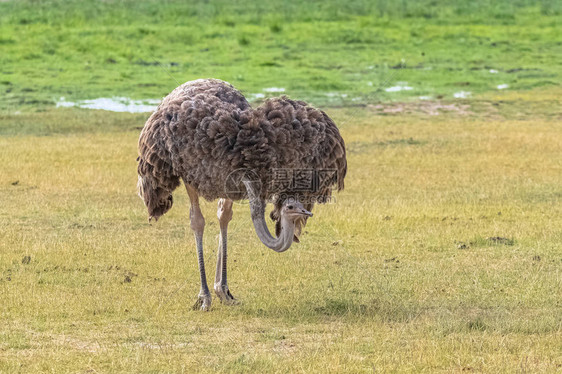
(203, 303)
(224, 295)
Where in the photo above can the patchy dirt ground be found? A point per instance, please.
(432, 108)
(493, 107)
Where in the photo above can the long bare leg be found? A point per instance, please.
(224, 213)
(198, 225)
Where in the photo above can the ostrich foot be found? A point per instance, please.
(203, 303)
(224, 295)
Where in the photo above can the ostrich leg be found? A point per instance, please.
(224, 213)
(198, 225)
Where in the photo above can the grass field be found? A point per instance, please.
(443, 253)
(323, 51)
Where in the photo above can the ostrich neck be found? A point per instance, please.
(257, 208)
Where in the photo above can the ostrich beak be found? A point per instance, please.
(306, 213)
(152, 217)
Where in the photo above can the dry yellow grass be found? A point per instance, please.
(399, 275)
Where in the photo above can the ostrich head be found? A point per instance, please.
(157, 199)
(282, 205)
(293, 210)
(291, 217)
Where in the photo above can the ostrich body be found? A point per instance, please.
(206, 134)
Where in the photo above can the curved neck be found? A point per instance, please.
(257, 208)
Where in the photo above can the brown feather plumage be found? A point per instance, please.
(205, 130)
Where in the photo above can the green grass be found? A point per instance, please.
(315, 50)
(380, 282)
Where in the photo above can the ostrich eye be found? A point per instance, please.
(290, 207)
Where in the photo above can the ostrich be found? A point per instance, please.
(206, 134)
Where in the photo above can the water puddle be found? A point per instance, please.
(113, 104)
(255, 96)
(274, 89)
(125, 104)
(462, 94)
(400, 86)
(336, 94)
